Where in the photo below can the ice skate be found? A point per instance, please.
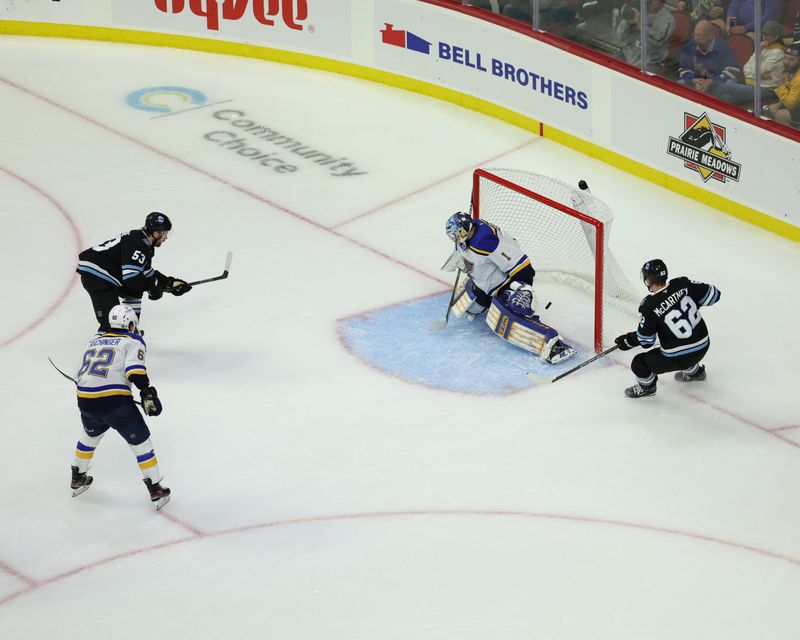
(80, 482)
(159, 495)
(697, 376)
(638, 391)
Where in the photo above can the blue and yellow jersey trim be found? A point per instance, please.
(104, 391)
(117, 334)
(135, 370)
(523, 262)
(485, 240)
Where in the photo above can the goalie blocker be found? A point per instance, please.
(525, 332)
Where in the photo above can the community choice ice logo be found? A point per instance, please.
(703, 148)
(164, 99)
(404, 39)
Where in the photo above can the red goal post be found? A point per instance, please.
(565, 232)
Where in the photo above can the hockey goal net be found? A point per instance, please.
(565, 231)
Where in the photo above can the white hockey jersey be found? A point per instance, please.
(492, 257)
(109, 362)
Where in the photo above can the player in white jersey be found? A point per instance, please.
(500, 278)
(112, 363)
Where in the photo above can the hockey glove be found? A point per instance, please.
(150, 402)
(178, 287)
(627, 341)
(156, 289)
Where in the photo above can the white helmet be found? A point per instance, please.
(121, 316)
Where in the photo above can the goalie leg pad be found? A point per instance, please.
(527, 333)
(466, 303)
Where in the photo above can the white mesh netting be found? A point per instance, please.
(561, 247)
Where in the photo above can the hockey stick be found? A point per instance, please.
(534, 378)
(438, 325)
(224, 275)
(68, 377)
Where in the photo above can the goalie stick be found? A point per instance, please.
(224, 275)
(69, 377)
(535, 378)
(438, 325)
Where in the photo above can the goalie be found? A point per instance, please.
(500, 279)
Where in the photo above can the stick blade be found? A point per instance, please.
(228, 260)
(437, 325)
(533, 377)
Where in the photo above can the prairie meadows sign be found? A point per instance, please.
(703, 148)
(266, 12)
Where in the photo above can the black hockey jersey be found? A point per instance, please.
(673, 317)
(124, 262)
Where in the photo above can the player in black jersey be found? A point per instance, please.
(120, 268)
(670, 314)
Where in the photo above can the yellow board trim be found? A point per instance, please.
(694, 192)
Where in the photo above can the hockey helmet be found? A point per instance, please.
(654, 270)
(121, 316)
(157, 221)
(458, 227)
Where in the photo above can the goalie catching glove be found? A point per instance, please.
(150, 402)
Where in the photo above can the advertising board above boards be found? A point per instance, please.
(483, 60)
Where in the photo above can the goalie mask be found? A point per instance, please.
(457, 228)
(121, 316)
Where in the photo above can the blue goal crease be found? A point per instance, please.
(465, 357)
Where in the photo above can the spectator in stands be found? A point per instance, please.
(660, 25)
(707, 62)
(787, 110)
(741, 15)
(712, 10)
(684, 6)
(771, 69)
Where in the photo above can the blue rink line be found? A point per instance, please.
(465, 356)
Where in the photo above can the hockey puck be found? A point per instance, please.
(582, 185)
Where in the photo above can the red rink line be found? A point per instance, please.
(32, 584)
(772, 432)
(432, 184)
(72, 275)
(217, 178)
(445, 513)
(791, 426)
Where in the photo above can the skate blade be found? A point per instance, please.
(77, 492)
(161, 502)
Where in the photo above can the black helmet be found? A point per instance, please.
(654, 270)
(156, 221)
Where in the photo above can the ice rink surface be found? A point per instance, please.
(320, 489)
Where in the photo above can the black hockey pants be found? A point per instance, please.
(104, 297)
(647, 365)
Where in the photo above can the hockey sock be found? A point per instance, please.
(148, 463)
(84, 451)
(692, 370)
(649, 381)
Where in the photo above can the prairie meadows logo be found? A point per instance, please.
(291, 12)
(703, 148)
(164, 99)
(404, 39)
